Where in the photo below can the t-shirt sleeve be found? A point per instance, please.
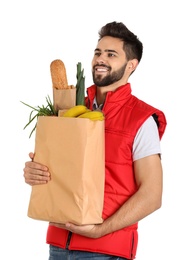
(147, 141)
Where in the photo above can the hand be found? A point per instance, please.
(92, 231)
(35, 173)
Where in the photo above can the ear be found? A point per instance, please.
(132, 65)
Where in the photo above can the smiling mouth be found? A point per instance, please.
(101, 69)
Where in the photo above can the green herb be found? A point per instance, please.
(47, 110)
(80, 85)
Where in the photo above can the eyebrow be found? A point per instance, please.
(107, 50)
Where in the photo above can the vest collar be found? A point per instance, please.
(120, 95)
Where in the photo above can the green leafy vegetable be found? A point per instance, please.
(47, 110)
(80, 86)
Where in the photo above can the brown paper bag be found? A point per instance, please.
(64, 98)
(73, 149)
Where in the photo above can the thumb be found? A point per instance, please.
(31, 155)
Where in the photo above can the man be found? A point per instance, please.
(133, 170)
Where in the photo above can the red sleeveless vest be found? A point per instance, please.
(124, 114)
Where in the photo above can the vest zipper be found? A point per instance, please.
(68, 240)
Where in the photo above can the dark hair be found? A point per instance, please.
(132, 46)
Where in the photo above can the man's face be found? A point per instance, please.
(109, 62)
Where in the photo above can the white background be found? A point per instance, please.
(35, 32)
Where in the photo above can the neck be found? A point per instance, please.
(102, 91)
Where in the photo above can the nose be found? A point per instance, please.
(101, 58)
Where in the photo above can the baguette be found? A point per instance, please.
(58, 75)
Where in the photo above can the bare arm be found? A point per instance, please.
(148, 174)
(35, 173)
(148, 198)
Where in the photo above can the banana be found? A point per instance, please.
(93, 115)
(75, 111)
(88, 110)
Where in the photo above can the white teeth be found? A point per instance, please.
(101, 69)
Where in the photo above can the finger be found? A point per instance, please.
(37, 166)
(31, 155)
(35, 182)
(58, 225)
(33, 179)
(36, 175)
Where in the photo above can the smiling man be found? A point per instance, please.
(133, 170)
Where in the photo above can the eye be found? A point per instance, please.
(111, 54)
(97, 54)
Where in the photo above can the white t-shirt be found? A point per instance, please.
(147, 141)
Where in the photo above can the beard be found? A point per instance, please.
(113, 77)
